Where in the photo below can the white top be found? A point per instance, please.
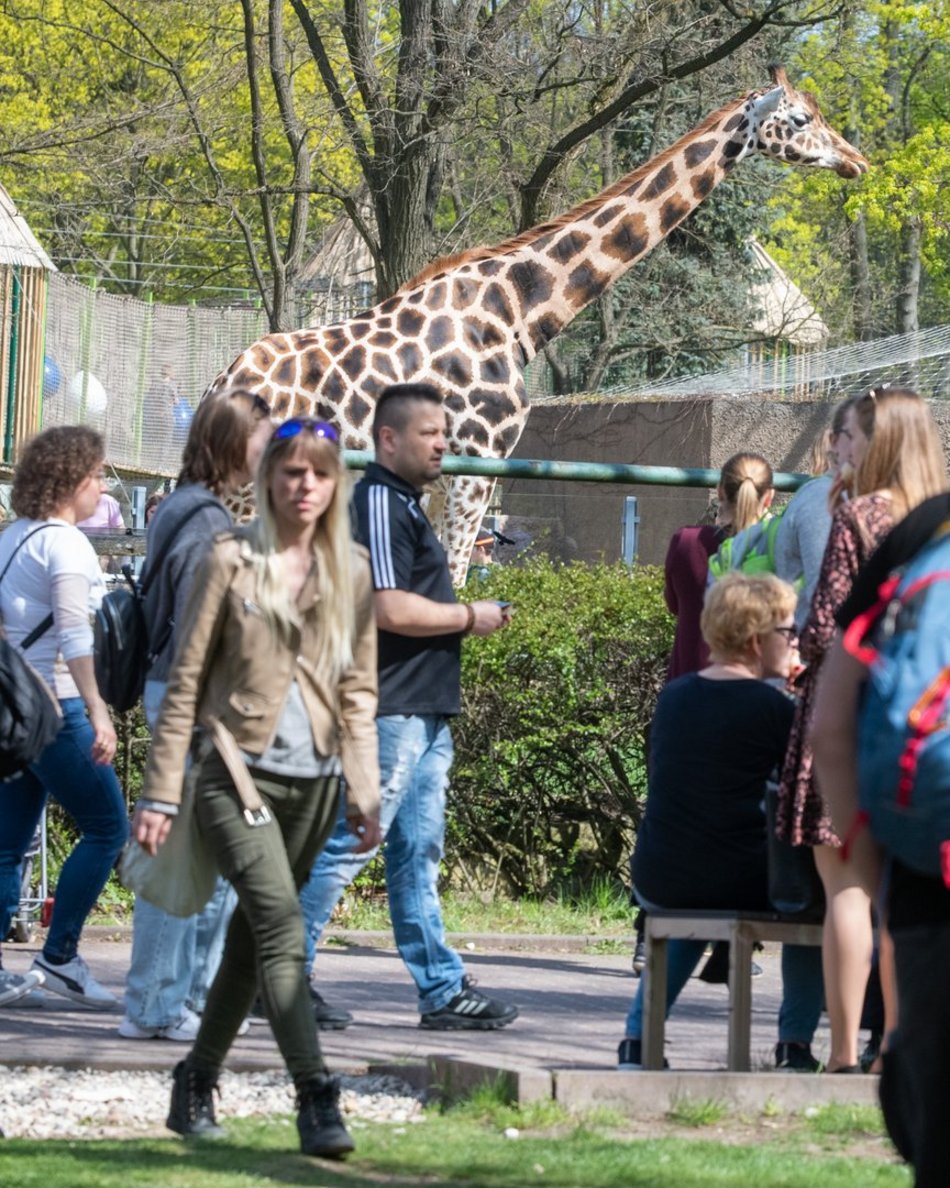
(56, 570)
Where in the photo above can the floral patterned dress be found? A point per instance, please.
(857, 528)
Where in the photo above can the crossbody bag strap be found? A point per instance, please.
(44, 625)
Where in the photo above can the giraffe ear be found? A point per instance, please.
(767, 103)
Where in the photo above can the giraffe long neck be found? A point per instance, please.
(569, 263)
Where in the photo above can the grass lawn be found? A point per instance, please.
(490, 1146)
(603, 912)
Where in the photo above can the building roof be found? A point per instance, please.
(785, 311)
(18, 244)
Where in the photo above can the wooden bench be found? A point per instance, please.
(742, 931)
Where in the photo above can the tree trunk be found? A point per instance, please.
(405, 211)
(908, 291)
(860, 280)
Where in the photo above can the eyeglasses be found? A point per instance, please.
(258, 403)
(297, 425)
(790, 633)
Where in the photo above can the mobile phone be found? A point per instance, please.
(503, 605)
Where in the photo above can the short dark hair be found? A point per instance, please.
(52, 466)
(392, 405)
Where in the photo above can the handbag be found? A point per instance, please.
(181, 877)
(30, 716)
(795, 888)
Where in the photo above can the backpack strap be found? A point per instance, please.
(44, 625)
(155, 569)
(163, 552)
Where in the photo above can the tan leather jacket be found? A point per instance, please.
(232, 676)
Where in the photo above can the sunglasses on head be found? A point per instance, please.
(297, 425)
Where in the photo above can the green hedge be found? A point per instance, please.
(549, 779)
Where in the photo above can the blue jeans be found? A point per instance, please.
(90, 793)
(415, 754)
(174, 959)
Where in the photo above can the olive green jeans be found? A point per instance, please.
(267, 865)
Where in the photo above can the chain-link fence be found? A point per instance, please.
(134, 369)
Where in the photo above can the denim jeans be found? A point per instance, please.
(415, 754)
(90, 794)
(174, 959)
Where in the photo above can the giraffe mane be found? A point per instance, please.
(588, 206)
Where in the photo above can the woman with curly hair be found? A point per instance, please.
(51, 583)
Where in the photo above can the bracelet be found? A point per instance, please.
(470, 622)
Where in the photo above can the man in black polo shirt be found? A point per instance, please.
(420, 635)
(915, 1083)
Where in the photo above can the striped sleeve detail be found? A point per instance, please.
(380, 540)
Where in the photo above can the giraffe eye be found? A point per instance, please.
(799, 119)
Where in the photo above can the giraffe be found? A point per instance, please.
(470, 323)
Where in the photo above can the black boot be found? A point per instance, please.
(192, 1108)
(319, 1120)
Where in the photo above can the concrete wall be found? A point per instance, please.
(583, 520)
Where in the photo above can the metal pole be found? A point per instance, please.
(586, 472)
(11, 376)
(630, 539)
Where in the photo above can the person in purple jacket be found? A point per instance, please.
(745, 493)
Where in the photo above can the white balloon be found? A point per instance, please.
(96, 399)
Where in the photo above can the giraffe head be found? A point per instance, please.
(787, 125)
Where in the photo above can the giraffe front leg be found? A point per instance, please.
(464, 501)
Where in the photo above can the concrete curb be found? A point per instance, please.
(636, 1094)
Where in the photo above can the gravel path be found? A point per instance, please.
(60, 1103)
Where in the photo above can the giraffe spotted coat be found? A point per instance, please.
(470, 323)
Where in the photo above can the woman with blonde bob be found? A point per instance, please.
(276, 665)
(898, 463)
(702, 841)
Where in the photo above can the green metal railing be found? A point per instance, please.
(583, 472)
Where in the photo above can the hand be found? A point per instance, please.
(489, 616)
(366, 830)
(104, 744)
(150, 828)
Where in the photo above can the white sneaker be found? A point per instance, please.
(73, 980)
(16, 986)
(183, 1030)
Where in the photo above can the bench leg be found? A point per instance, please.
(740, 1001)
(654, 1002)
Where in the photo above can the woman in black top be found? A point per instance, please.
(717, 736)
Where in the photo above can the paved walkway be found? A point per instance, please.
(572, 1003)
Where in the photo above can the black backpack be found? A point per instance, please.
(30, 716)
(123, 655)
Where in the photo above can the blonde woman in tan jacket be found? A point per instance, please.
(277, 667)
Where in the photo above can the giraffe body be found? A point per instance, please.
(469, 324)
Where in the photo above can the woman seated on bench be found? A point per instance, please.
(717, 735)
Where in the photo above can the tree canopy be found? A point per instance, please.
(200, 150)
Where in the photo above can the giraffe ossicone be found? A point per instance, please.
(470, 323)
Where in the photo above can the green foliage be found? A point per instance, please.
(685, 1111)
(882, 76)
(549, 779)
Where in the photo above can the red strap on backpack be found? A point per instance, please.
(861, 625)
